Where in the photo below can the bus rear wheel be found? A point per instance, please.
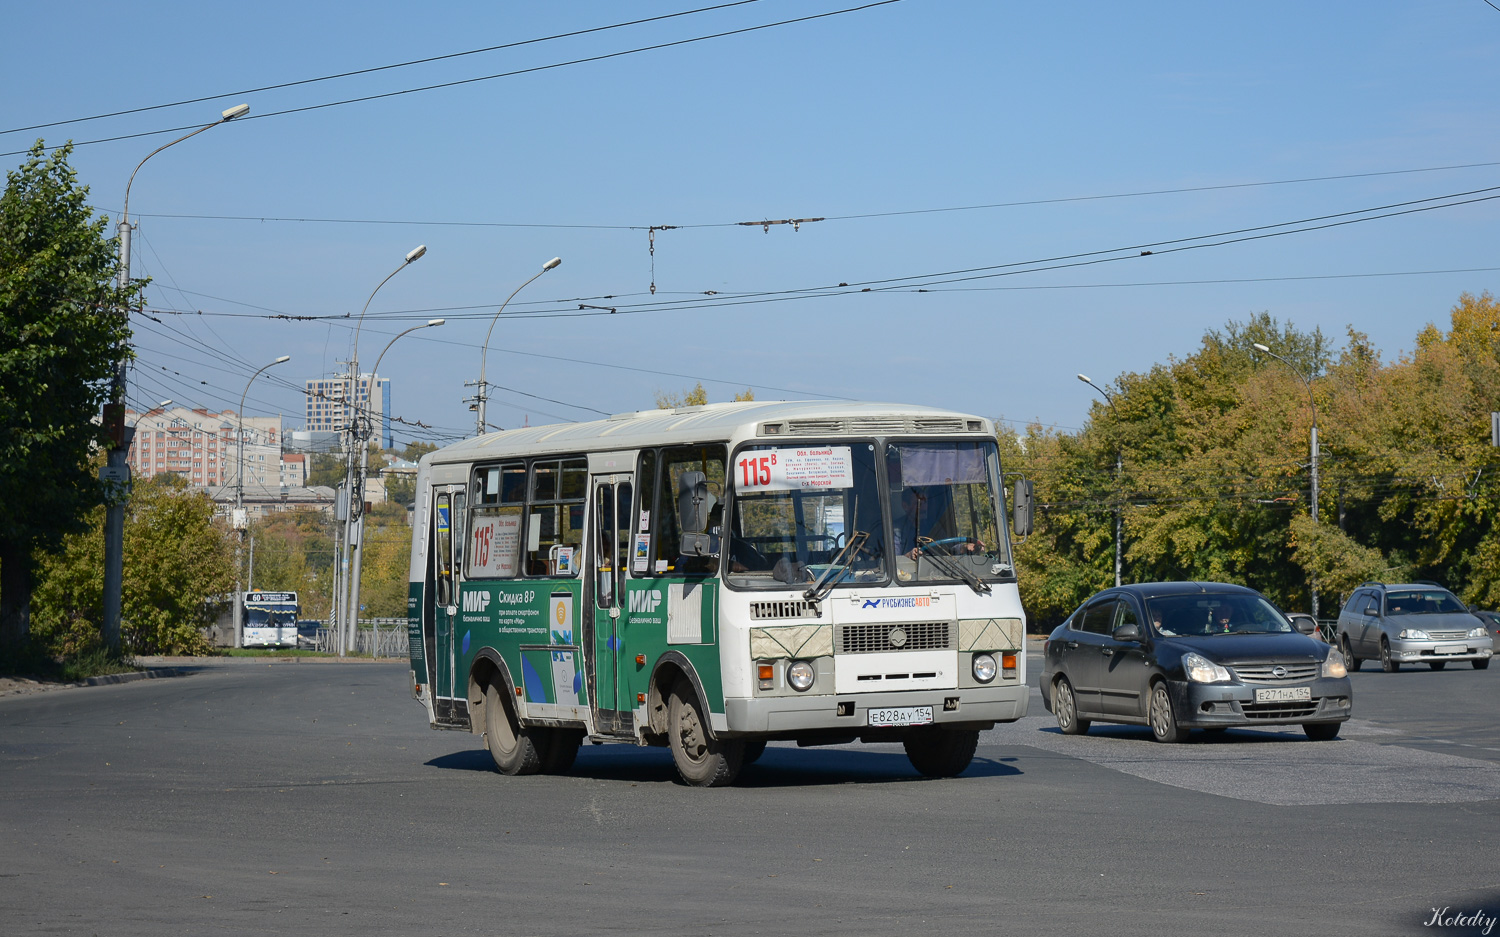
(701, 759)
(941, 753)
(514, 749)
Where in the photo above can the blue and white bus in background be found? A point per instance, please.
(271, 619)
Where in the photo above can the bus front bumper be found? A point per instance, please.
(781, 715)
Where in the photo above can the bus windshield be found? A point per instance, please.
(816, 513)
(804, 511)
(944, 511)
(269, 617)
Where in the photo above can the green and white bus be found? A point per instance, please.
(712, 578)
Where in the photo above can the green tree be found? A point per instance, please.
(61, 329)
(181, 570)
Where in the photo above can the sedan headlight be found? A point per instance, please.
(1333, 665)
(1477, 632)
(1413, 634)
(984, 667)
(1200, 669)
(800, 675)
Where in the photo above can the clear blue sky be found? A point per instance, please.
(920, 104)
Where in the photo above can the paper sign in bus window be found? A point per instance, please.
(812, 468)
(641, 553)
(493, 543)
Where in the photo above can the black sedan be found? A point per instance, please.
(1178, 656)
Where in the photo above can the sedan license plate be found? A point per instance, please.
(901, 716)
(1450, 649)
(1282, 694)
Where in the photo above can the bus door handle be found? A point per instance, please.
(614, 611)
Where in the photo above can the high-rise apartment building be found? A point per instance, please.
(201, 446)
(329, 404)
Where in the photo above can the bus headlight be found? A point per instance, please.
(800, 675)
(984, 667)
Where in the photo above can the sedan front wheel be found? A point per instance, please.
(1164, 727)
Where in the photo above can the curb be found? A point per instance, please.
(138, 675)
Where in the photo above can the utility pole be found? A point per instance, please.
(1307, 380)
(116, 472)
(1119, 473)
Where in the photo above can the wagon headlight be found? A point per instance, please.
(1333, 665)
(1477, 632)
(984, 667)
(1413, 634)
(800, 675)
(1200, 669)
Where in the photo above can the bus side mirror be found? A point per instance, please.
(694, 502)
(1023, 507)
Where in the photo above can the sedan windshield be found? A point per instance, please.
(1422, 602)
(1206, 614)
(805, 513)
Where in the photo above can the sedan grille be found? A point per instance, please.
(1294, 710)
(901, 636)
(1447, 635)
(1265, 674)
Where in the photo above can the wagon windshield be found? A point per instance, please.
(1422, 602)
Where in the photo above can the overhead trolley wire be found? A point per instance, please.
(510, 74)
(379, 68)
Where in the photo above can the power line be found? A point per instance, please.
(864, 215)
(510, 74)
(378, 68)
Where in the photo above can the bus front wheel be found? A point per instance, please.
(701, 759)
(941, 753)
(514, 749)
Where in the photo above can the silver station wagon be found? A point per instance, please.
(1411, 623)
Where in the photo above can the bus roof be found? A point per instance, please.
(712, 421)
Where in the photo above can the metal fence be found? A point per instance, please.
(386, 636)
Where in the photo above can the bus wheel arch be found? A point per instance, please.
(670, 668)
(489, 670)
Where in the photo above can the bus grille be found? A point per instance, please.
(782, 608)
(1262, 673)
(895, 636)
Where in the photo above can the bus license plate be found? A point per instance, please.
(901, 716)
(1283, 694)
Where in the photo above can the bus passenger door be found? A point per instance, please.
(609, 542)
(446, 527)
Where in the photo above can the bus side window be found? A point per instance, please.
(710, 461)
(604, 525)
(442, 532)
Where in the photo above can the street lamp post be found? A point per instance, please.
(240, 522)
(1119, 472)
(481, 393)
(117, 469)
(364, 457)
(1307, 380)
(356, 433)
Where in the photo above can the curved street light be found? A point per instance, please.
(357, 561)
(239, 501)
(355, 435)
(1119, 471)
(114, 418)
(481, 393)
(1306, 380)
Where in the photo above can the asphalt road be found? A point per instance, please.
(251, 798)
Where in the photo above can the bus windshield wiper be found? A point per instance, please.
(836, 570)
(943, 560)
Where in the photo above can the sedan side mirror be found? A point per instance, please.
(1473, 609)
(1305, 624)
(1130, 631)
